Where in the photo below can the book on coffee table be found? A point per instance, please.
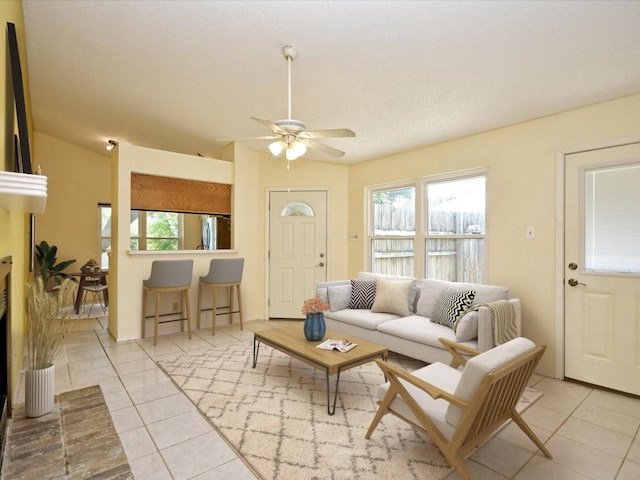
(340, 345)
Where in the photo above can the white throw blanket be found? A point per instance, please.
(503, 316)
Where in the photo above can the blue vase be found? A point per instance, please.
(314, 327)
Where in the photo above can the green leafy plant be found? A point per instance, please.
(47, 266)
(45, 331)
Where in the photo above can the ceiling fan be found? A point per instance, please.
(290, 136)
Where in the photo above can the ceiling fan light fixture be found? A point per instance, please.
(276, 148)
(299, 148)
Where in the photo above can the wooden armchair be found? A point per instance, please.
(460, 409)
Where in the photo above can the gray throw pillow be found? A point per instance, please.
(339, 297)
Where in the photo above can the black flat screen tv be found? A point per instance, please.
(22, 153)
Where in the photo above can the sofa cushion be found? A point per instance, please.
(430, 291)
(467, 327)
(363, 293)
(339, 297)
(392, 296)
(417, 329)
(361, 318)
(451, 305)
(478, 366)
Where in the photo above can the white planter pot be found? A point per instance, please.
(40, 389)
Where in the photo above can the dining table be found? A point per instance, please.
(89, 277)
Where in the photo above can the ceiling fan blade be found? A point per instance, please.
(333, 132)
(270, 125)
(266, 137)
(321, 147)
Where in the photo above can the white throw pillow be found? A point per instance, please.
(467, 327)
(339, 297)
(392, 296)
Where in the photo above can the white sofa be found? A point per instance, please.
(402, 311)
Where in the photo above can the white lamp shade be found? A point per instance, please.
(299, 148)
(276, 148)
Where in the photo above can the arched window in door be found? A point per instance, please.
(297, 209)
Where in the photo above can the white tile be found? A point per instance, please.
(540, 467)
(197, 455)
(629, 471)
(607, 418)
(501, 456)
(88, 364)
(174, 430)
(127, 356)
(137, 443)
(135, 366)
(165, 407)
(634, 451)
(543, 417)
(150, 467)
(143, 377)
(93, 376)
(614, 401)
(566, 389)
(126, 419)
(117, 400)
(589, 461)
(601, 438)
(235, 469)
(149, 392)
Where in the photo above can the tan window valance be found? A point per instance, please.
(155, 193)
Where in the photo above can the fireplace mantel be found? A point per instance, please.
(23, 192)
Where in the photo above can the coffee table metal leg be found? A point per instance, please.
(332, 410)
(256, 349)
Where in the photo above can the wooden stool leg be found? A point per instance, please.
(155, 327)
(239, 305)
(185, 296)
(230, 304)
(215, 312)
(199, 304)
(181, 311)
(144, 309)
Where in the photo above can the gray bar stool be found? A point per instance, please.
(223, 273)
(168, 276)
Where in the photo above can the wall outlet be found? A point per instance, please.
(175, 306)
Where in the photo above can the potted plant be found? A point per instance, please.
(314, 324)
(45, 334)
(47, 266)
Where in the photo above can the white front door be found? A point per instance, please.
(602, 267)
(297, 249)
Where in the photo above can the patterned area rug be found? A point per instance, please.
(276, 416)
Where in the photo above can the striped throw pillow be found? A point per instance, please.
(451, 305)
(363, 293)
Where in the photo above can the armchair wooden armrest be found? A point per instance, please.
(456, 350)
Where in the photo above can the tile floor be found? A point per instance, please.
(593, 434)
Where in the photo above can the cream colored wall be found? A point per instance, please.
(521, 193)
(77, 181)
(129, 270)
(14, 225)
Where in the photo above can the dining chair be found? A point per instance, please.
(168, 276)
(98, 289)
(223, 273)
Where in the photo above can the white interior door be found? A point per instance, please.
(297, 249)
(602, 270)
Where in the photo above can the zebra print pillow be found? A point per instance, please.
(451, 305)
(363, 293)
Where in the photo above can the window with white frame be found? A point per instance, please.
(104, 213)
(451, 230)
(455, 233)
(394, 230)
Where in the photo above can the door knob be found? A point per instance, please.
(574, 283)
(321, 264)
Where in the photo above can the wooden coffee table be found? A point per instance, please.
(291, 340)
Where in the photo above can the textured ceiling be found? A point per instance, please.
(179, 75)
